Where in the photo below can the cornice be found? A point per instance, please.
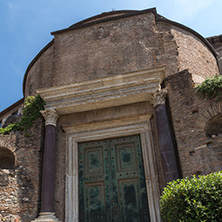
(105, 92)
(105, 17)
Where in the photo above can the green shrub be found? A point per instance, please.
(211, 87)
(195, 199)
(31, 108)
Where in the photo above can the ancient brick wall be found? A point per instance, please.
(19, 187)
(116, 47)
(198, 153)
(106, 49)
(193, 54)
(167, 53)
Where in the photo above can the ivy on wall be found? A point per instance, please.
(211, 88)
(31, 108)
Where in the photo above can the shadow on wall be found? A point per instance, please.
(214, 131)
(214, 126)
(7, 159)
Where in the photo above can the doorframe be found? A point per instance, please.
(139, 125)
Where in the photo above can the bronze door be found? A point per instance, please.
(111, 181)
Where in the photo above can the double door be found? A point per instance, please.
(111, 181)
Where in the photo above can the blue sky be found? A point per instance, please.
(26, 26)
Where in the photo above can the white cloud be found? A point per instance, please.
(187, 9)
(16, 69)
(140, 4)
(13, 13)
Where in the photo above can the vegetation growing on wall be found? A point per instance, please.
(32, 106)
(194, 199)
(211, 88)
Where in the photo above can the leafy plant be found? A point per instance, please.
(211, 87)
(31, 108)
(195, 199)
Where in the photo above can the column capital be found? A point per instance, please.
(158, 97)
(50, 116)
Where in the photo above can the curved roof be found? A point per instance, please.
(114, 15)
(105, 17)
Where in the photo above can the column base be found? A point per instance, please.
(46, 217)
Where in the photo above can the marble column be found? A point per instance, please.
(167, 152)
(47, 212)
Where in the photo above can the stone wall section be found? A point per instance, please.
(198, 153)
(40, 74)
(19, 187)
(193, 54)
(105, 49)
(167, 53)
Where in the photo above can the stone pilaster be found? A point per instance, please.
(48, 175)
(167, 152)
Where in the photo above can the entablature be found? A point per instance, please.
(105, 92)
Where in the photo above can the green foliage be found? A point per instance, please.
(211, 87)
(31, 108)
(195, 199)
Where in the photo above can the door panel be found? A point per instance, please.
(111, 181)
(129, 202)
(94, 161)
(92, 183)
(129, 193)
(125, 157)
(94, 201)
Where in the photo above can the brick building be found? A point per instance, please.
(121, 119)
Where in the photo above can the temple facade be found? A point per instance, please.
(122, 118)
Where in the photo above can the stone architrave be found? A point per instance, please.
(47, 212)
(167, 152)
(122, 89)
